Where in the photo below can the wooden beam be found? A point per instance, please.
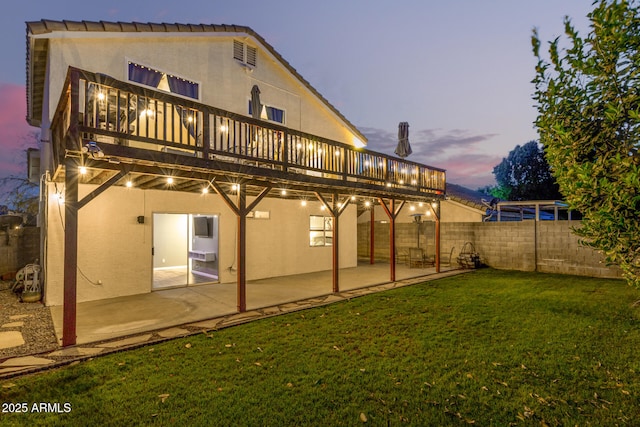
(70, 281)
(242, 250)
(241, 210)
(259, 198)
(336, 209)
(392, 212)
(111, 181)
(372, 232)
(230, 203)
(70, 253)
(436, 215)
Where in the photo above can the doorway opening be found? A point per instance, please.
(185, 250)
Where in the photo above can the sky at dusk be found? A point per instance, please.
(458, 71)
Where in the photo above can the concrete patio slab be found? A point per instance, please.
(215, 305)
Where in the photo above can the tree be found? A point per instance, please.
(525, 175)
(588, 102)
(17, 193)
(21, 196)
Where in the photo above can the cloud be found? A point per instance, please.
(459, 151)
(15, 133)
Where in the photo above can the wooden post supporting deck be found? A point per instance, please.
(336, 209)
(436, 215)
(70, 252)
(72, 207)
(392, 212)
(372, 232)
(241, 263)
(241, 210)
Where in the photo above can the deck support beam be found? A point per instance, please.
(435, 208)
(241, 209)
(70, 252)
(372, 233)
(72, 207)
(392, 212)
(335, 208)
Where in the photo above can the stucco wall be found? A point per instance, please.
(451, 211)
(207, 60)
(115, 249)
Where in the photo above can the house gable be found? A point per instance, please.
(204, 53)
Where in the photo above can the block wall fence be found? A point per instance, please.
(544, 246)
(18, 248)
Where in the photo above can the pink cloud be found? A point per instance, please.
(14, 131)
(458, 151)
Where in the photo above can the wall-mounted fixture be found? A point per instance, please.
(141, 219)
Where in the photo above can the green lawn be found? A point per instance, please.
(484, 348)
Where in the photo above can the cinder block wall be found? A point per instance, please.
(547, 246)
(507, 245)
(407, 235)
(23, 248)
(559, 251)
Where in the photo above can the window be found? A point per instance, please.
(245, 53)
(163, 81)
(270, 113)
(320, 230)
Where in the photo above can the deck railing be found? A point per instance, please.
(111, 111)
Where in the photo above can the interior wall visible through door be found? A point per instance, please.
(185, 249)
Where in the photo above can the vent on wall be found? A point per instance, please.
(244, 53)
(252, 55)
(238, 50)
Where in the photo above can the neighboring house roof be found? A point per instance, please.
(468, 197)
(36, 58)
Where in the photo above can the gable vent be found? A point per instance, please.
(246, 54)
(252, 54)
(238, 50)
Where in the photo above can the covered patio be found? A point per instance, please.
(123, 316)
(245, 162)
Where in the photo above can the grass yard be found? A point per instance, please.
(485, 348)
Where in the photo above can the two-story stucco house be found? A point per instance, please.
(176, 154)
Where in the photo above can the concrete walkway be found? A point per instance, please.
(128, 322)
